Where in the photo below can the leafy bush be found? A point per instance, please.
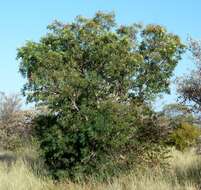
(184, 136)
(114, 139)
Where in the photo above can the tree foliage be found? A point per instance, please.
(178, 113)
(96, 79)
(189, 86)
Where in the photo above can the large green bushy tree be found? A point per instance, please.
(95, 76)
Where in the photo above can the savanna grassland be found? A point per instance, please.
(183, 174)
(93, 83)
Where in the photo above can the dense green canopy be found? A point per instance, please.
(91, 59)
(95, 77)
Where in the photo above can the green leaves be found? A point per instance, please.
(119, 60)
(93, 76)
(161, 52)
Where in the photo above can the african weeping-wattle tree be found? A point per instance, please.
(95, 76)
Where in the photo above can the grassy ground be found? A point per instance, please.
(185, 174)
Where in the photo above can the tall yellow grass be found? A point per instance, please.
(185, 174)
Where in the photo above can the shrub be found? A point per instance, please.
(184, 136)
(113, 140)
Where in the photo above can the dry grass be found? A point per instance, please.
(185, 174)
(19, 177)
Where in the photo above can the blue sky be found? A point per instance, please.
(23, 20)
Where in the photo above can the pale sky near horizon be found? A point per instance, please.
(24, 20)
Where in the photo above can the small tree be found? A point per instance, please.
(189, 86)
(178, 113)
(94, 76)
(15, 124)
(9, 105)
